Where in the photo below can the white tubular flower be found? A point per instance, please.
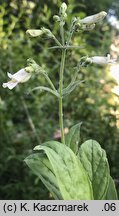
(94, 18)
(101, 60)
(19, 77)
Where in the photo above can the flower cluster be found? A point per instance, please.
(87, 23)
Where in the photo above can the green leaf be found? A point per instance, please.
(71, 177)
(43, 88)
(72, 139)
(111, 191)
(94, 160)
(71, 87)
(40, 165)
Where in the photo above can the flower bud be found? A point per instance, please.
(56, 18)
(34, 32)
(63, 8)
(62, 12)
(94, 18)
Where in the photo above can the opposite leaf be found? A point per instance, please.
(94, 160)
(71, 87)
(73, 138)
(40, 165)
(71, 177)
(111, 191)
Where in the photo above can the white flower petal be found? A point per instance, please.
(21, 76)
(101, 60)
(10, 75)
(11, 84)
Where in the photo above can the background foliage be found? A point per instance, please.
(93, 103)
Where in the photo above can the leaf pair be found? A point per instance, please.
(73, 173)
(62, 172)
(71, 87)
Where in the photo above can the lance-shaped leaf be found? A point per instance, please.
(72, 179)
(111, 191)
(71, 87)
(94, 160)
(72, 139)
(41, 166)
(43, 88)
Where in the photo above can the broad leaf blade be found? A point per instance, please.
(72, 139)
(70, 174)
(40, 165)
(111, 191)
(94, 160)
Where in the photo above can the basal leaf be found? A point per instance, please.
(72, 139)
(111, 191)
(71, 177)
(40, 165)
(94, 160)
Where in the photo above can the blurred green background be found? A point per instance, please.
(23, 115)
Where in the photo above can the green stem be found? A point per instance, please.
(60, 99)
(62, 32)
